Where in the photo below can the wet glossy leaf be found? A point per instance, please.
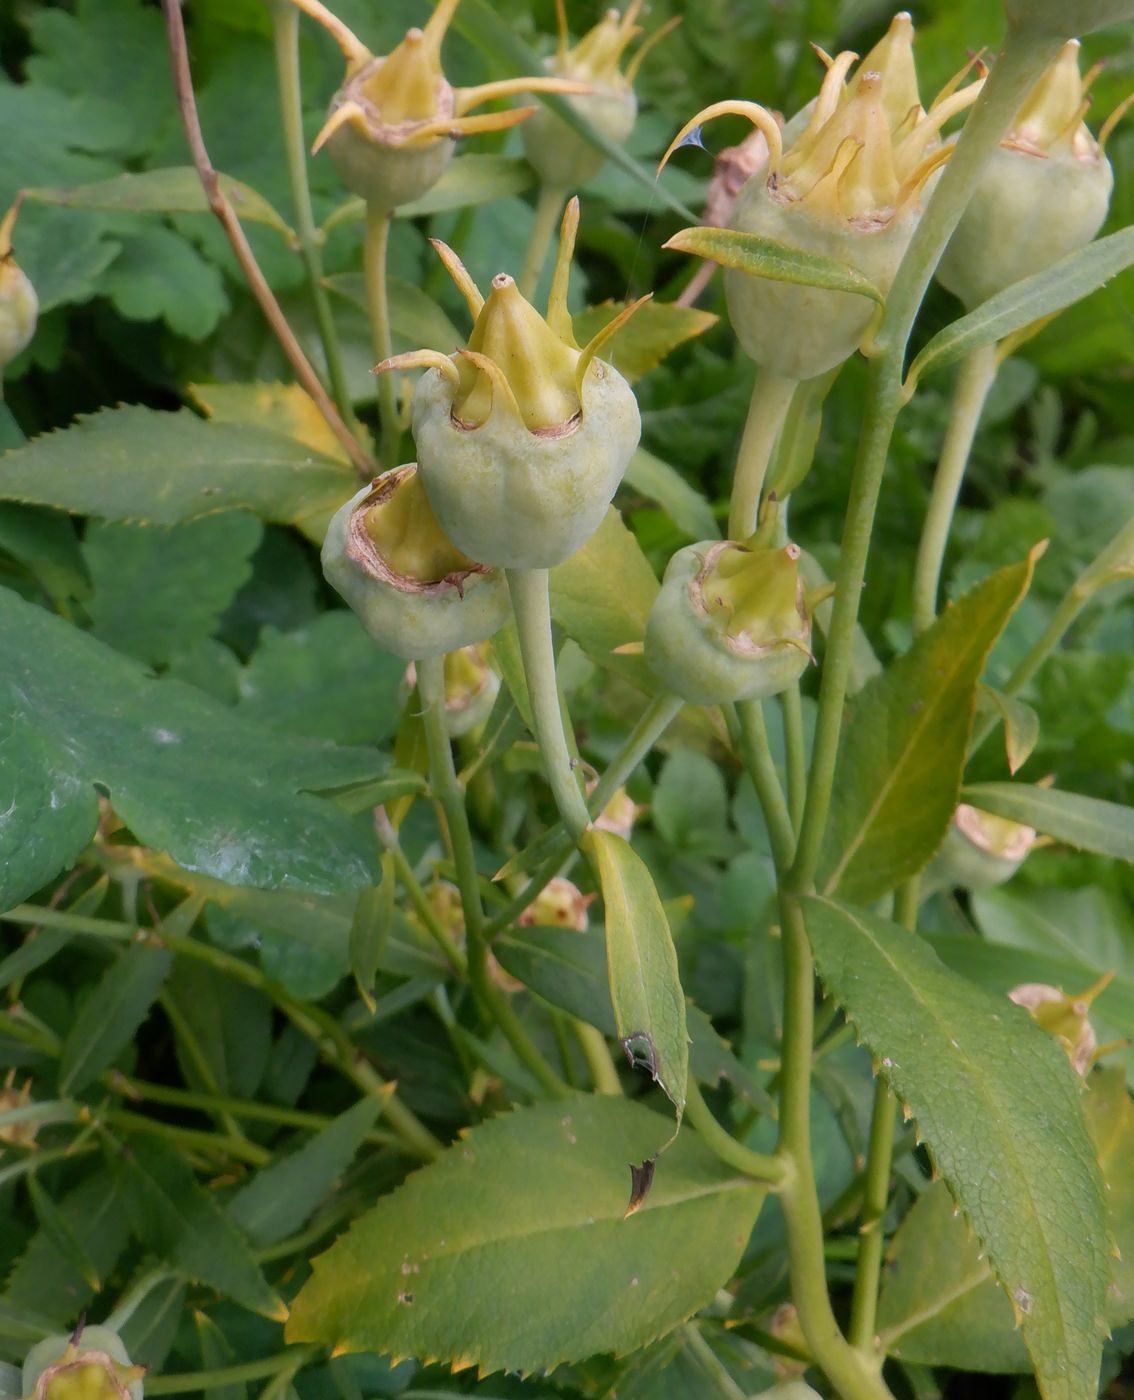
(139, 464)
(765, 257)
(997, 1102)
(902, 752)
(645, 986)
(1087, 823)
(443, 1268)
(223, 797)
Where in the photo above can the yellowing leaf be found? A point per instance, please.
(284, 408)
(651, 334)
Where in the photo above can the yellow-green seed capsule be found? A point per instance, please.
(471, 688)
(980, 850)
(1043, 194)
(19, 305)
(523, 437)
(91, 1364)
(412, 589)
(1065, 1017)
(731, 622)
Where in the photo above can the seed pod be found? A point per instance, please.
(560, 904)
(91, 1364)
(561, 157)
(1043, 194)
(410, 587)
(844, 179)
(522, 438)
(731, 622)
(1065, 1017)
(980, 850)
(471, 688)
(394, 122)
(19, 305)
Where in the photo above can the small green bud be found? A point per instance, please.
(980, 850)
(730, 623)
(844, 179)
(394, 122)
(471, 688)
(522, 438)
(1065, 1017)
(91, 1364)
(1043, 194)
(19, 305)
(562, 159)
(410, 587)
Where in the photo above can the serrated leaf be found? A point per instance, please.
(327, 680)
(139, 464)
(416, 321)
(664, 484)
(173, 190)
(443, 1268)
(228, 1023)
(115, 1007)
(282, 408)
(1027, 301)
(902, 752)
(1110, 1120)
(765, 257)
(653, 332)
(998, 1104)
(645, 985)
(602, 596)
(158, 275)
(58, 1228)
(216, 1354)
(44, 543)
(1021, 724)
(178, 1218)
(159, 590)
(188, 777)
(281, 1198)
(148, 1333)
(1087, 823)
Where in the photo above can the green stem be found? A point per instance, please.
(548, 212)
(134, 1296)
(185, 1381)
(240, 1148)
(791, 707)
(285, 30)
(420, 900)
(184, 1032)
(757, 756)
(977, 373)
(596, 1052)
(447, 792)
(759, 1165)
(876, 1179)
(654, 721)
(374, 257)
(722, 1379)
(767, 409)
(532, 609)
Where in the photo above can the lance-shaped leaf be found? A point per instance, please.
(765, 257)
(902, 752)
(998, 1104)
(645, 986)
(1087, 823)
(513, 1250)
(1027, 301)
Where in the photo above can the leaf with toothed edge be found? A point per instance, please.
(512, 1250)
(1000, 1109)
(765, 257)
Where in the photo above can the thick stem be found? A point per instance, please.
(374, 257)
(532, 609)
(757, 756)
(285, 31)
(978, 371)
(447, 791)
(767, 409)
(548, 212)
(791, 707)
(257, 283)
(760, 1165)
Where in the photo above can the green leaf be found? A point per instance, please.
(44, 543)
(470, 179)
(416, 321)
(158, 590)
(186, 775)
(148, 1333)
(227, 1026)
(653, 332)
(174, 190)
(940, 1305)
(216, 1354)
(139, 464)
(178, 1218)
(663, 484)
(902, 753)
(1110, 1119)
(1021, 724)
(602, 596)
(160, 275)
(281, 1199)
(765, 257)
(645, 985)
(998, 1105)
(443, 1268)
(1027, 301)
(1087, 823)
(327, 680)
(115, 1007)
(690, 803)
